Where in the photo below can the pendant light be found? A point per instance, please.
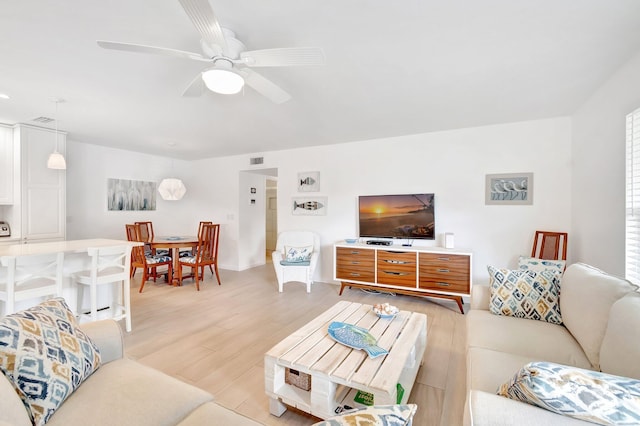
(172, 189)
(56, 160)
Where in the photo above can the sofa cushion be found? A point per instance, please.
(130, 394)
(539, 340)
(620, 350)
(587, 296)
(489, 409)
(528, 263)
(45, 356)
(583, 394)
(211, 413)
(525, 294)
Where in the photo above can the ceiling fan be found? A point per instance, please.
(230, 61)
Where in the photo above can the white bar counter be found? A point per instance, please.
(69, 246)
(76, 258)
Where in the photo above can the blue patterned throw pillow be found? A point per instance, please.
(538, 265)
(525, 294)
(297, 254)
(377, 415)
(45, 356)
(587, 395)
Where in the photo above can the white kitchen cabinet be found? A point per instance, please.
(6, 165)
(43, 195)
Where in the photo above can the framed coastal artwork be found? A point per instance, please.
(509, 189)
(127, 195)
(308, 181)
(309, 206)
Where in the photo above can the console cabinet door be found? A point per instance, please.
(397, 268)
(6, 165)
(447, 272)
(355, 264)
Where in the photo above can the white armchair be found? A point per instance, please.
(301, 273)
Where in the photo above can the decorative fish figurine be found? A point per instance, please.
(356, 338)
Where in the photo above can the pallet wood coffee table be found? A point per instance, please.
(338, 372)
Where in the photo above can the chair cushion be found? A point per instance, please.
(525, 294)
(297, 254)
(286, 263)
(188, 259)
(158, 259)
(377, 415)
(45, 356)
(528, 263)
(583, 394)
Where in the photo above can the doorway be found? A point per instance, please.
(271, 216)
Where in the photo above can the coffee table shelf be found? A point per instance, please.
(337, 371)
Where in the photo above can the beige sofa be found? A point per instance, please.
(124, 392)
(600, 331)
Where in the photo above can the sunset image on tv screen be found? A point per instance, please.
(397, 216)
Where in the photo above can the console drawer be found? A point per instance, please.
(449, 272)
(397, 268)
(355, 264)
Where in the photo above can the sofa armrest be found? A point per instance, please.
(480, 296)
(107, 336)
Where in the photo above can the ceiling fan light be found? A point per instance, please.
(172, 189)
(223, 81)
(56, 161)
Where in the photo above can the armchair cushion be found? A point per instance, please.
(45, 356)
(525, 294)
(287, 263)
(583, 394)
(298, 254)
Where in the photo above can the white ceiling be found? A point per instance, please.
(393, 68)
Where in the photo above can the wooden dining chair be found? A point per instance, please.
(206, 254)
(147, 262)
(546, 245)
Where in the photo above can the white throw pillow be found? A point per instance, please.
(297, 254)
(587, 294)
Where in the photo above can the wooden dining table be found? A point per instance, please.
(174, 244)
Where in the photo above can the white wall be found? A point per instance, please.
(451, 164)
(598, 146)
(89, 167)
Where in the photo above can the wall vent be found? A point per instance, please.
(256, 160)
(43, 120)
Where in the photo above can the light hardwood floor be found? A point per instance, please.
(216, 339)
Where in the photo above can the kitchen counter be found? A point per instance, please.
(68, 246)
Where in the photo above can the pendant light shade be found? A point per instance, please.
(172, 189)
(56, 160)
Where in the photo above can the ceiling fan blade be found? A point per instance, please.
(204, 19)
(265, 87)
(195, 88)
(285, 56)
(139, 48)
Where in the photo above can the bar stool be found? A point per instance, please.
(109, 265)
(29, 277)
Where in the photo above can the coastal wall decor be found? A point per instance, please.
(310, 206)
(308, 181)
(509, 189)
(125, 195)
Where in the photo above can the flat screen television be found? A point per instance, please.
(410, 216)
